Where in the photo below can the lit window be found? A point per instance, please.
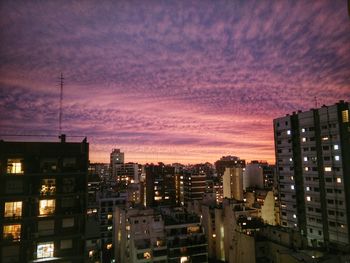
(46, 207)
(288, 132)
(336, 147)
(339, 180)
(294, 216)
(13, 209)
(292, 187)
(308, 198)
(303, 130)
(147, 255)
(291, 159)
(307, 188)
(325, 138)
(109, 246)
(48, 186)
(292, 177)
(328, 169)
(156, 198)
(306, 168)
(183, 259)
(336, 158)
(109, 216)
(305, 159)
(109, 228)
(12, 232)
(345, 115)
(45, 250)
(303, 139)
(14, 166)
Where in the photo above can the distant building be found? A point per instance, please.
(233, 183)
(194, 186)
(228, 162)
(116, 159)
(253, 176)
(160, 185)
(313, 163)
(43, 201)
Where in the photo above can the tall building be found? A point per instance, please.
(253, 176)
(313, 163)
(160, 185)
(116, 159)
(228, 162)
(43, 197)
(194, 186)
(233, 183)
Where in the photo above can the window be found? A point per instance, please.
(14, 187)
(345, 115)
(13, 209)
(68, 185)
(307, 188)
(336, 158)
(47, 207)
(303, 130)
(48, 165)
(48, 187)
(338, 180)
(288, 132)
(292, 187)
(12, 232)
(328, 169)
(65, 244)
(336, 147)
(308, 198)
(45, 250)
(305, 159)
(67, 202)
(46, 227)
(10, 254)
(303, 139)
(14, 166)
(67, 222)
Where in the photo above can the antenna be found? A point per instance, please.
(61, 100)
(316, 104)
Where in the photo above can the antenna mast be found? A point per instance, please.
(61, 100)
(316, 104)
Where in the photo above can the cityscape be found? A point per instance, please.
(175, 132)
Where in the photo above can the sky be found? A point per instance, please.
(171, 81)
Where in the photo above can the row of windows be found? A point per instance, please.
(46, 207)
(46, 187)
(15, 166)
(13, 231)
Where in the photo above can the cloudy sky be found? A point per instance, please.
(172, 81)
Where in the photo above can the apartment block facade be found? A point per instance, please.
(313, 167)
(43, 201)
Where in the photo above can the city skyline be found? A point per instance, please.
(174, 82)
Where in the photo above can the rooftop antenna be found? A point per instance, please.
(61, 100)
(316, 104)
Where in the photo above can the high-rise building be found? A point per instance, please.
(194, 187)
(313, 166)
(160, 185)
(43, 197)
(233, 183)
(116, 159)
